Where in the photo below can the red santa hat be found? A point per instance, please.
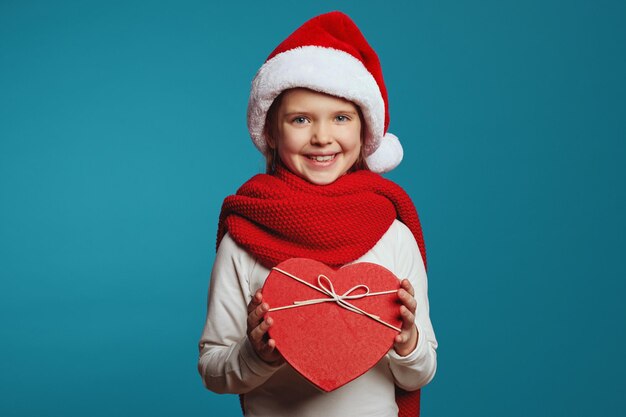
(329, 54)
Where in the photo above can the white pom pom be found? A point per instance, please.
(388, 155)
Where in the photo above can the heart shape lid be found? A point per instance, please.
(330, 325)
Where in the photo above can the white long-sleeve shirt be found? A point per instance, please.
(228, 363)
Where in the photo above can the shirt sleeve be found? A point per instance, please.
(227, 362)
(418, 368)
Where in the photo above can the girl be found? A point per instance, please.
(318, 112)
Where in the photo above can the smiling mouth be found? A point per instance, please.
(322, 158)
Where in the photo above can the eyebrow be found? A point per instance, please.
(293, 113)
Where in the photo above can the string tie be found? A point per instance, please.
(326, 287)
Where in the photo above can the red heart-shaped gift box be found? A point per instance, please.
(326, 343)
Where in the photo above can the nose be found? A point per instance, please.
(322, 135)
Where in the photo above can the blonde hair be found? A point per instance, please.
(271, 133)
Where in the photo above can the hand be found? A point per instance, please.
(406, 340)
(257, 331)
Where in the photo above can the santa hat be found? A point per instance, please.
(328, 54)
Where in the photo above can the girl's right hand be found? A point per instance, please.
(264, 347)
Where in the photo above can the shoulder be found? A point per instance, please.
(233, 261)
(229, 251)
(407, 251)
(398, 238)
(227, 244)
(399, 233)
(397, 251)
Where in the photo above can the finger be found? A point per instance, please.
(256, 316)
(407, 300)
(406, 284)
(402, 338)
(257, 298)
(271, 354)
(257, 333)
(269, 348)
(408, 318)
(271, 344)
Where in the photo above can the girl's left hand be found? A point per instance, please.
(406, 340)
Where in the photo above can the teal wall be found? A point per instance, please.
(122, 127)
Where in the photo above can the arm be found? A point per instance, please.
(228, 362)
(417, 368)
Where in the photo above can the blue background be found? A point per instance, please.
(122, 127)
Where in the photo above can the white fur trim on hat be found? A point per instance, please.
(326, 70)
(388, 155)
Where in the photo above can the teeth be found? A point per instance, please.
(320, 158)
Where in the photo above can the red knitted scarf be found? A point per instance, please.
(282, 216)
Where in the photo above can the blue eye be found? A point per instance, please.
(342, 118)
(299, 120)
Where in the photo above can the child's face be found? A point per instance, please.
(319, 136)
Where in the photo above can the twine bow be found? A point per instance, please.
(325, 286)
